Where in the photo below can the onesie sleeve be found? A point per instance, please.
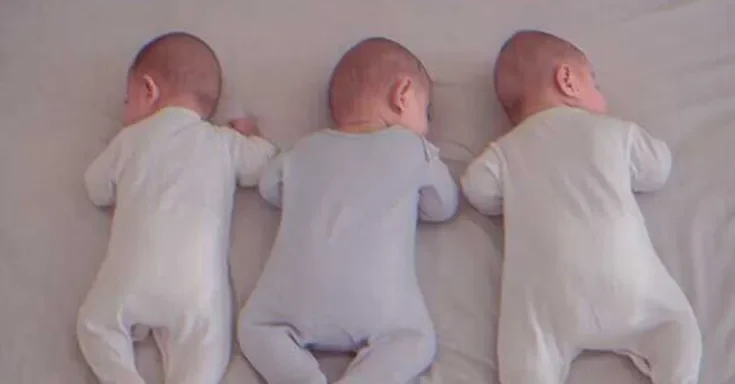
(650, 161)
(251, 156)
(100, 179)
(271, 183)
(438, 196)
(481, 183)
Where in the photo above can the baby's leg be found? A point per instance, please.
(275, 352)
(670, 352)
(105, 340)
(528, 350)
(395, 357)
(196, 349)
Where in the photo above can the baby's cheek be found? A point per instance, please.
(127, 116)
(422, 121)
(131, 115)
(422, 127)
(602, 104)
(595, 102)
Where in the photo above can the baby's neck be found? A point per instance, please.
(363, 126)
(536, 106)
(182, 102)
(360, 128)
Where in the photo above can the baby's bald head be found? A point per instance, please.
(527, 65)
(182, 64)
(367, 75)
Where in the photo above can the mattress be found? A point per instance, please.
(667, 64)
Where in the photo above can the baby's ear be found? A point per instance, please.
(566, 80)
(152, 91)
(399, 94)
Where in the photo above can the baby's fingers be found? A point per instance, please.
(244, 125)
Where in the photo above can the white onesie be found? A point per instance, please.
(580, 271)
(172, 178)
(341, 274)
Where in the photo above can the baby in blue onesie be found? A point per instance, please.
(341, 275)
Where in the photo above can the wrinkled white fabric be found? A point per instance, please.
(580, 272)
(171, 178)
(341, 275)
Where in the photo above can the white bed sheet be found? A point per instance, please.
(667, 64)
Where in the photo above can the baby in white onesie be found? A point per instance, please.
(171, 177)
(341, 275)
(580, 271)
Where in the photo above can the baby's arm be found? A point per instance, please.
(251, 153)
(271, 183)
(650, 161)
(481, 183)
(438, 196)
(100, 179)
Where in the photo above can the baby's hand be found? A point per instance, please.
(245, 126)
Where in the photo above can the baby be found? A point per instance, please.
(171, 176)
(580, 271)
(341, 275)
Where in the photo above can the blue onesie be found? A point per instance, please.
(341, 275)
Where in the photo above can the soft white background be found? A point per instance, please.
(669, 65)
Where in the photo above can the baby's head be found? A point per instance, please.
(536, 70)
(379, 83)
(175, 69)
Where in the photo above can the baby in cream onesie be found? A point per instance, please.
(171, 177)
(341, 275)
(580, 272)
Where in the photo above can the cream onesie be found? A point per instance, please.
(171, 178)
(580, 272)
(341, 275)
